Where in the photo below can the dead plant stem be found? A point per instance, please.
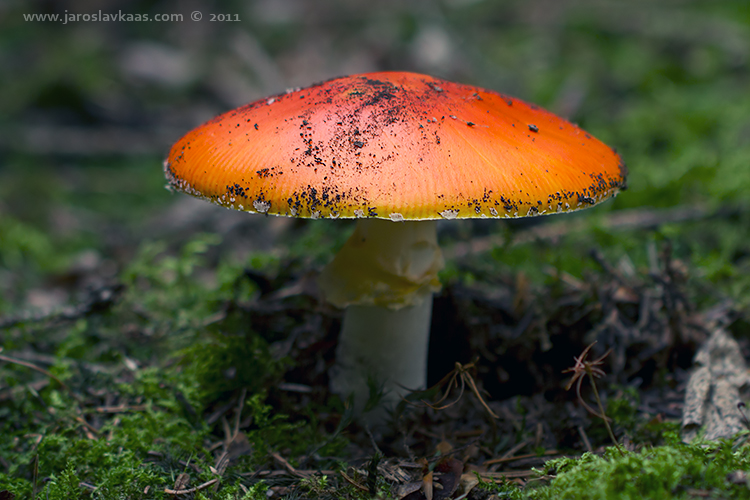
(601, 412)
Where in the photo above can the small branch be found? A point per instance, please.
(191, 490)
(606, 419)
(285, 464)
(92, 430)
(98, 300)
(353, 482)
(123, 408)
(638, 218)
(34, 367)
(508, 454)
(585, 438)
(513, 458)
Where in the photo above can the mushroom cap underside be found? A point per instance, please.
(399, 146)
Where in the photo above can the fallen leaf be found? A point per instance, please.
(450, 470)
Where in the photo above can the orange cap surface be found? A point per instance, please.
(402, 146)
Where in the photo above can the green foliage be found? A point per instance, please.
(25, 253)
(224, 363)
(66, 486)
(623, 410)
(166, 285)
(23, 244)
(271, 428)
(257, 491)
(502, 488)
(140, 451)
(316, 486)
(114, 471)
(114, 461)
(663, 472)
(21, 488)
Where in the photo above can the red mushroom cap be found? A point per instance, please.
(394, 145)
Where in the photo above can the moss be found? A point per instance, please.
(222, 364)
(663, 472)
(502, 488)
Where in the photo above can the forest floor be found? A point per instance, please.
(157, 346)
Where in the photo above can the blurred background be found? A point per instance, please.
(89, 109)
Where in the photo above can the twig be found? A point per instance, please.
(604, 416)
(741, 408)
(123, 408)
(238, 418)
(35, 475)
(519, 457)
(585, 438)
(492, 476)
(100, 299)
(353, 482)
(192, 490)
(285, 464)
(619, 220)
(88, 426)
(34, 367)
(88, 486)
(514, 450)
(279, 473)
(539, 435)
(15, 391)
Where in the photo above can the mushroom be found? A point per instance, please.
(399, 152)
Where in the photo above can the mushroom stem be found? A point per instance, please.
(385, 347)
(384, 276)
